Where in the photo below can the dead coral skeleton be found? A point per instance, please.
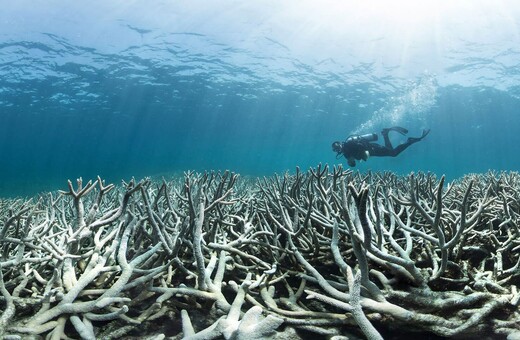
(328, 251)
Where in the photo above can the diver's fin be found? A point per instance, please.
(417, 139)
(399, 129)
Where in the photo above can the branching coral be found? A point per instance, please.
(328, 251)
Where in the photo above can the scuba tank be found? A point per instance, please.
(369, 137)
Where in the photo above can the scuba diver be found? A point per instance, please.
(361, 147)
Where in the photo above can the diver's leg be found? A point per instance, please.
(378, 150)
(388, 144)
(385, 132)
(412, 140)
(398, 149)
(399, 129)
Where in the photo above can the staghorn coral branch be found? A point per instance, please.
(77, 200)
(197, 245)
(364, 324)
(10, 308)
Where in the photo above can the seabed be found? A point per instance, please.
(323, 254)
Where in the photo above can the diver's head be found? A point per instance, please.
(336, 147)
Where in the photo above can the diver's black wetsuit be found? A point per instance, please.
(355, 148)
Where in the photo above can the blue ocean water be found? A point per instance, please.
(125, 89)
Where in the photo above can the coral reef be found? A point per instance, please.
(327, 252)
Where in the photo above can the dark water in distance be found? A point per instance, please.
(122, 89)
